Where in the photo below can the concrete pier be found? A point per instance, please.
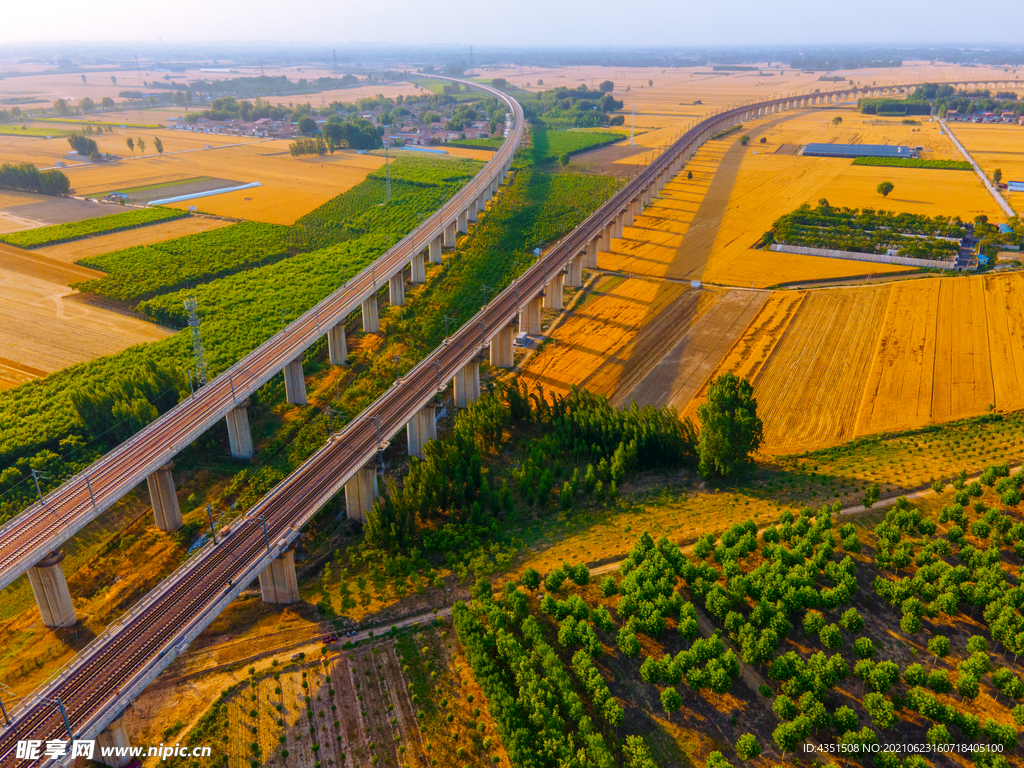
(51, 591)
(590, 262)
(435, 249)
(620, 223)
(396, 289)
(360, 493)
(420, 429)
(467, 384)
(239, 434)
(574, 275)
(163, 498)
(418, 268)
(337, 345)
(529, 318)
(501, 348)
(474, 208)
(113, 737)
(553, 292)
(463, 222)
(371, 315)
(450, 233)
(295, 382)
(278, 583)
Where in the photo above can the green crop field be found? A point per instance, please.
(419, 185)
(914, 162)
(101, 225)
(549, 144)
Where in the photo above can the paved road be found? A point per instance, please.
(984, 179)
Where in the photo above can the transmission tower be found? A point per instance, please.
(198, 354)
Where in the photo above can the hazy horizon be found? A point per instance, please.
(529, 23)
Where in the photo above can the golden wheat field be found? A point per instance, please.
(809, 391)
(595, 331)
(50, 86)
(705, 227)
(832, 364)
(154, 233)
(291, 187)
(948, 349)
(670, 101)
(996, 146)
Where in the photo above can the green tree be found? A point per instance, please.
(745, 139)
(158, 144)
(307, 126)
(997, 175)
(671, 701)
(882, 711)
(747, 746)
(87, 104)
(606, 87)
(530, 579)
(107, 103)
(871, 495)
(730, 427)
(851, 621)
(884, 188)
(61, 107)
(141, 144)
(499, 83)
(939, 646)
(837, 121)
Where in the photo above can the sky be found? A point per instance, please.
(561, 23)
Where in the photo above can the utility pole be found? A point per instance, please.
(387, 173)
(632, 127)
(198, 353)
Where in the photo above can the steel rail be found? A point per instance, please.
(45, 525)
(98, 683)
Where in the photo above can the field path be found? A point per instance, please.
(680, 374)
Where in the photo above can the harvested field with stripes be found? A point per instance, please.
(949, 349)
(155, 233)
(593, 343)
(809, 391)
(680, 374)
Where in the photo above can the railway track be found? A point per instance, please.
(97, 685)
(46, 525)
